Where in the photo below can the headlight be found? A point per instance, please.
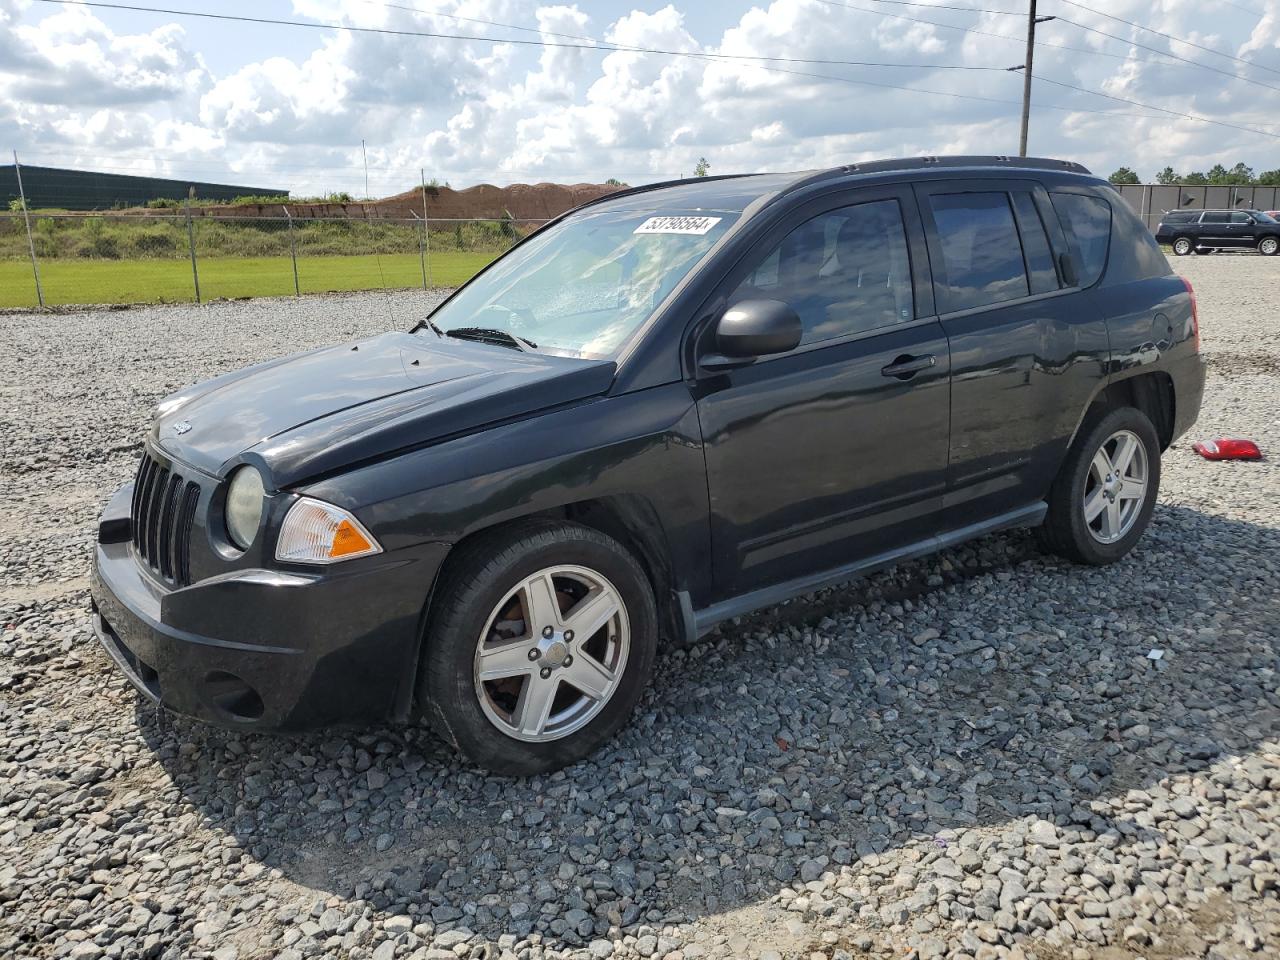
(244, 506)
(318, 532)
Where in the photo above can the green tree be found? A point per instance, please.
(15, 205)
(1124, 175)
(1241, 173)
(1167, 176)
(1195, 179)
(702, 168)
(1269, 178)
(614, 182)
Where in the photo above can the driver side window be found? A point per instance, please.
(844, 272)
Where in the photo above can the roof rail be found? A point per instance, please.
(932, 162)
(803, 179)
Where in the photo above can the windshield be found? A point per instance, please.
(581, 287)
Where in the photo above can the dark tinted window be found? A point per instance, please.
(1241, 218)
(981, 256)
(1134, 255)
(1216, 216)
(1035, 244)
(1087, 221)
(844, 272)
(1180, 217)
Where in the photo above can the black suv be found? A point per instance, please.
(664, 409)
(1204, 231)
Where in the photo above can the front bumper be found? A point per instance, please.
(265, 649)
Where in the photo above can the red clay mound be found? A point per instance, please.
(522, 201)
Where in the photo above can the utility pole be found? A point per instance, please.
(1032, 20)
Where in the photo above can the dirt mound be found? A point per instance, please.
(521, 201)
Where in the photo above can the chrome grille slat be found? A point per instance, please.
(164, 507)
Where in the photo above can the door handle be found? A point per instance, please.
(906, 366)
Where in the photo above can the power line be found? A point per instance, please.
(1179, 60)
(943, 6)
(973, 30)
(1165, 53)
(1147, 106)
(1169, 36)
(682, 53)
(433, 35)
(1240, 6)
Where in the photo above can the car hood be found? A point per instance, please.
(313, 413)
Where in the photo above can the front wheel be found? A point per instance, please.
(1103, 497)
(540, 642)
(1182, 246)
(1269, 246)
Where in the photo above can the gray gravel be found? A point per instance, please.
(970, 756)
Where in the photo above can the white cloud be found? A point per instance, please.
(504, 111)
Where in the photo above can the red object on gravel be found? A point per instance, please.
(1227, 448)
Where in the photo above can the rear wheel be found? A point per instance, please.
(1103, 497)
(540, 644)
(1182, 246)
(1269, 246)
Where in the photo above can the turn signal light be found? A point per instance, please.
(317, 532)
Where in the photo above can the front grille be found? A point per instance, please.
(164, 506)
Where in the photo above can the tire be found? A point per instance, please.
(478, 616)
(1182, 246)
(1269, 246)
(1115, 526)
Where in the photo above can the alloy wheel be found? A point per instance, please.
(552, 653)
(1269, 246)
(1116, 487)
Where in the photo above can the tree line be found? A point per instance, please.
(1240, 175)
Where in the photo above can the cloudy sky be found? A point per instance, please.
(287, 106)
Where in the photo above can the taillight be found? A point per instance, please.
(1195, 314)
(1227, 448)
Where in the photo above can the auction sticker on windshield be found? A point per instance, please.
(693, 226)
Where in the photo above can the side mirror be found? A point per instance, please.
(754, 328)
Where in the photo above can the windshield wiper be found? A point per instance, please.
(502, 338)
(429, 324)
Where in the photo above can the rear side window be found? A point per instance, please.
(1180, 217)
(1035, 244)
(981, 256)
(1088, 221)
(1216, 216)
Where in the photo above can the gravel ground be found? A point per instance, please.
(970, 756)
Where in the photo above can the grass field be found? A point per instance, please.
(151, 281)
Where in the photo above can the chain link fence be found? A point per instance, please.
(127, 258)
